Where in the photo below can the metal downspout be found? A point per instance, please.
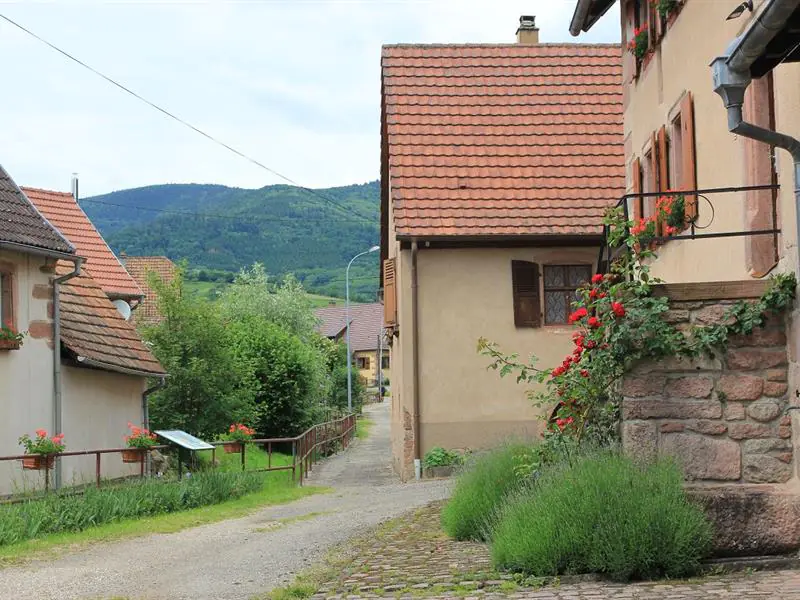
(415, 353)
(57, 399)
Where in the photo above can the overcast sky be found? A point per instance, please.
(293, 83)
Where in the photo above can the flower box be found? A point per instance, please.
(37, 462)
(133, 455)
(8, 344)
(232, 447)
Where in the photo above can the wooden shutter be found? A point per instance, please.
(636, 165)
(525, 284)
(389, 293)
(689, 166)
(663, 160)
(630, 64)
(654, 184)
(6, 300)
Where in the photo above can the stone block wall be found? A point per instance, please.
(724, 418)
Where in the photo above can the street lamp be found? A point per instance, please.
(347, 317)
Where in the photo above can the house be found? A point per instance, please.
(498, 162)
(141, 268)
(82, 369)
(712, 112)
(367, 341)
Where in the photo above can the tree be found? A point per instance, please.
(207, 388)
(336, 360)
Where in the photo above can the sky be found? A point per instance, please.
(294, 84)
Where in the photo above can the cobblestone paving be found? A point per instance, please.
(411, 557)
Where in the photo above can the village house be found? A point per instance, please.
(367, 341)
(141, 269)
(498, 162)
(81, 368)
(712, 113)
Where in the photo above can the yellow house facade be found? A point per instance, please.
(487, 226)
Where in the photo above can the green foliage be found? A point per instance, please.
(207, 388)
(665, 7)
(441, 457)
(336, 354)
(286, 376)
(603, 514)
(286, 228)
(481, 488)
(59, 513)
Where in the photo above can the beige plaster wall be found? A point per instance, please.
(370, 375)
(680, 64)
(26, 375)
(465, 294)
(97, 406)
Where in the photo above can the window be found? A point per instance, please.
(384, 362)
(525, 287)
(363, 362)
(560, 283)
(6, 299)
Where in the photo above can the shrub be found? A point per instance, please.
(59, 513)
(604, 514)
(480, 489)
(441, 457)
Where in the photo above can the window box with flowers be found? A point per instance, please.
(237, 435)
(10, 338)
(41, 450)
(640, 42)
(667, 9)
(139, 441)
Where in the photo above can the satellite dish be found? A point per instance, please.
(123, 308)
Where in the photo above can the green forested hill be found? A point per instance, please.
(288, 229)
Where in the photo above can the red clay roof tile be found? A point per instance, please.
(61, 209)
(502, 139)
(140, 268)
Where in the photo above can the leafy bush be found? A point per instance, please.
(604, 514)
(59, 513)
(481, 488)
(336, 355)
(441, 457)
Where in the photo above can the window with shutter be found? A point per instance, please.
(636, 176)
(689, 162)
(6, 299)
(525, 285)
(389, 293)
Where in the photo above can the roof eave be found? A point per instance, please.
(90, 362)
(39, 251)
(584, 17)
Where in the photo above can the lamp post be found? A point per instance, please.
(347, 317)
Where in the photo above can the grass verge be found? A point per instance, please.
(53, 544)
(255, 458)
(363, 427)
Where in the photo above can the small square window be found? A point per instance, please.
(384, 362)
(560, 284)
(363, 362)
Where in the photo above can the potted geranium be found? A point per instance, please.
(236, 435)
(640, 42)
(41, 450)
(138, 442)
(10, 338)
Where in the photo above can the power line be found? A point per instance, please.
(167, 113)
(208, 215)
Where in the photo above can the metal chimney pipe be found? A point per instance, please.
(74, 187)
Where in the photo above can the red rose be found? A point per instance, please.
(578, 315)
(584, 373)
(591, 344)
(597, 278)
(579, 341)
(593, 293)
(618, 309)
(594, 322)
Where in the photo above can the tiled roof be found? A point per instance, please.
(21, 223)
(366, 324)
(498, 140)
(140, 268)
(91, 327)
(63, 211)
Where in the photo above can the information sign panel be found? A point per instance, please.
(184, 440)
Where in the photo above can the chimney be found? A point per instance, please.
(527, 32)
(75, 186)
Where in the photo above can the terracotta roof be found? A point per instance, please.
(63, 211)
(140, 268)
(497, 140)
(21, 223)
(366, 324)
(91, 327)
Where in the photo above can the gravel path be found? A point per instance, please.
(238, 558)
